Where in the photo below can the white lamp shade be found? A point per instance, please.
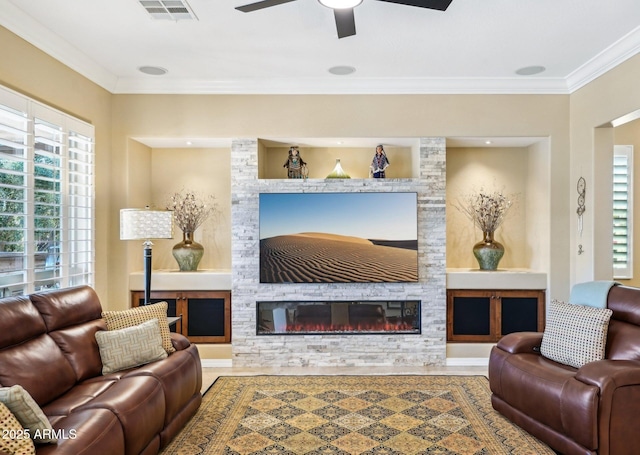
(145, 224)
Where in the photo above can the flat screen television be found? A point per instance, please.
(367, 237)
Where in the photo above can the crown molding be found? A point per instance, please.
(623, 49)
(37, 34)
(345, 85)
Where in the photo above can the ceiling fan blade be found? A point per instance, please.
(345, 22)
(440, 5)
(261, 5)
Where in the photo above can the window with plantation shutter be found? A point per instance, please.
(622, 212)
(46, 197)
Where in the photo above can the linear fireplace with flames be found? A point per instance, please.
(338, 317)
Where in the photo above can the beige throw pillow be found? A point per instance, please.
(130, 347)
(14, 439)
(575, 334)
(117, 320)
(28, 413)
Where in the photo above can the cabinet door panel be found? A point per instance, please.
(471, 316)
(206, 317)
(519, 314)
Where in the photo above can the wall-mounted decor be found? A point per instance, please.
(581, 188)
(338, 237)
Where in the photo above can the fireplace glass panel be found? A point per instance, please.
(338, 317)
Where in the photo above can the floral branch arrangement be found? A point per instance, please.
(486, 210)
(189, 211)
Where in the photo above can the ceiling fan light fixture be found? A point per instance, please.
(340, 4)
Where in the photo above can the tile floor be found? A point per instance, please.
(209, 375)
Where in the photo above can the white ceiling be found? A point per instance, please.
(474, 47)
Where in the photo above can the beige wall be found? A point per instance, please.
(136, 177)
(123, 181)
(537, 207)
(205, 171)
(609, 97)
(33, 73)
(470, 170)
(255, 116)
(629, 134)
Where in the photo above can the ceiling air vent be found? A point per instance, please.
(172, 10)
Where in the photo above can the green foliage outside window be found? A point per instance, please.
(12, 202)
(47, 201)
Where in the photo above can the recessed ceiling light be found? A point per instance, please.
(340, 4)
(342, 70)
(189, 142)
(530, 70)
(487, 142)
(153, 70)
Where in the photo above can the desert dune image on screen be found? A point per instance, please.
(338, 237)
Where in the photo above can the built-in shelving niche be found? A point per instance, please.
(355, 155)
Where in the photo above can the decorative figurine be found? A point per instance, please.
(296, 167)
(379, 163)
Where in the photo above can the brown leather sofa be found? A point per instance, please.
(48, 346)
(590, 410)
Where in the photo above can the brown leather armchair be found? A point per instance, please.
(590, 410)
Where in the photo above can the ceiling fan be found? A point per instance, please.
(343, 10)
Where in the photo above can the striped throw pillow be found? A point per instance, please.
(130, 347)
(24, 407)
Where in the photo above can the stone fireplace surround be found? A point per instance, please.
(428, 348)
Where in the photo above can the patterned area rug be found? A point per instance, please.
(345, 415)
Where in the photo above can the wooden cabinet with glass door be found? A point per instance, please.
(205, 315)
(475, 316)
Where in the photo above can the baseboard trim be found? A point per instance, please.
(451, 362)
(467, 362)
(216, 363)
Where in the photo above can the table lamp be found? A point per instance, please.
(146, 224)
